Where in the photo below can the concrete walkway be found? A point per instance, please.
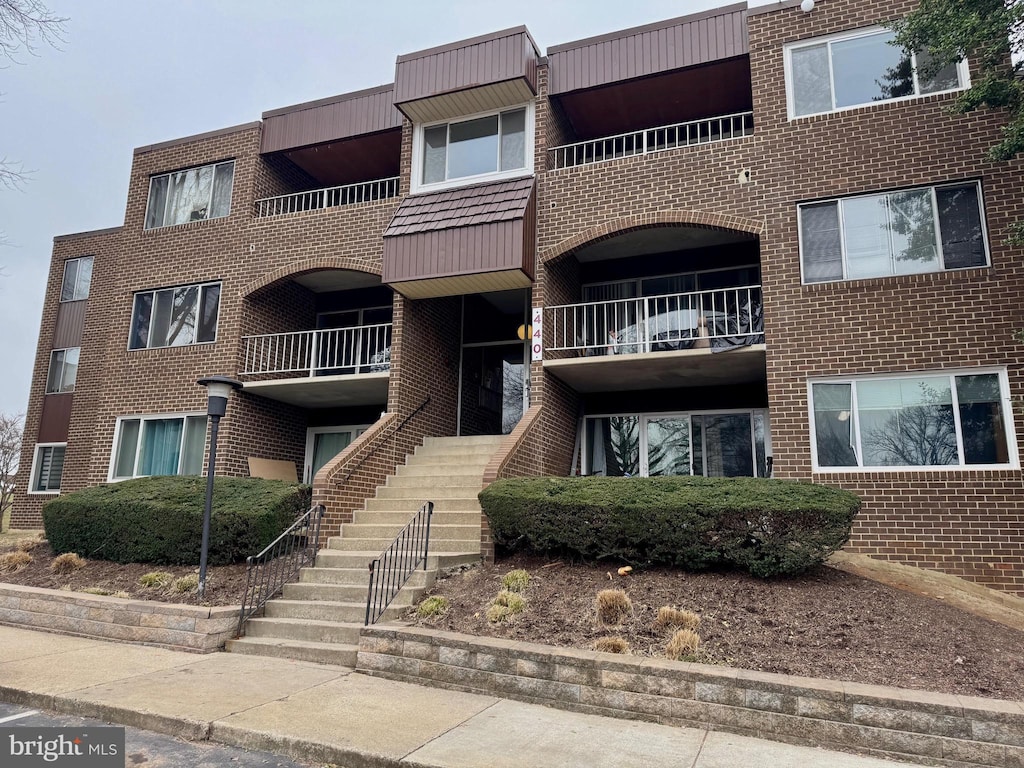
(333, 715)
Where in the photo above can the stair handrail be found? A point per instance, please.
(376, 448)
(390, 570)
(279, 563)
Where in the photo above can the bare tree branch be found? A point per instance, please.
(27, 24)
(10, 453)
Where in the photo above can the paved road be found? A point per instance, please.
(153, 750)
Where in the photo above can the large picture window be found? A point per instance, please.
(77, 277)
(922, 420)
(158, 445)
(63, 370)
(47, 468)
(175, 317)
(497, 144)
(194, 194)
(894, 233)
(859, 68)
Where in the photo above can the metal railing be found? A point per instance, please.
(315, 199)
(393, 567)
(359, 349)
(653, 140)
(719, 319)
(279, 564)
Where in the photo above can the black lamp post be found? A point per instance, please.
(218, 388)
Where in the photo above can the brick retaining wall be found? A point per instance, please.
(899, 724)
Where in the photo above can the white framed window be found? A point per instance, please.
(858, 68)
(175, 317)
(324, 443)
(77, 277)
(63, 370)
(194, 194)
(160, 444)
(489, 145)
(926, 229)
(922, 421)
(47, 468)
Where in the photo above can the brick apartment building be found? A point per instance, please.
(747, 241)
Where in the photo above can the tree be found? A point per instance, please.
(10, 451)
(990, 34)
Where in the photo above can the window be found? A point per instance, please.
(489, 145)
(63, 370)
(47, 468)
(194, 194)
(158, 445)
(175, 317)
(857, 69)
(324, 443)
(77, 276)
(920, 420)
(895, 233)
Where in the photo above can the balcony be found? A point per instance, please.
(323, 368)
(330, 197)
(657, 342)
(649, 140)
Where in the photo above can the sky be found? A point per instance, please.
(137, 73)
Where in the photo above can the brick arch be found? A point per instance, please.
(616, 227)
(303, 267)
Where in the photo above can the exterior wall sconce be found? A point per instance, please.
(807, 6)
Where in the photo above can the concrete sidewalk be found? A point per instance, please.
(334, 715)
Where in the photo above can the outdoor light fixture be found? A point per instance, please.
(218, 388)
(807, 6)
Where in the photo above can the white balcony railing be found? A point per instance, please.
(362, 349)
(716, 319)
(315, 199)
(653, 140)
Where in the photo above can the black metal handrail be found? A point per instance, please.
(279, 563)
(394, 566)
(376, 448)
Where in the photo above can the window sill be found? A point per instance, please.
(470, 181)
(194, 345)
(184, 227)
(873, 106)
(966, 274)
(43, 493)
(929, 471)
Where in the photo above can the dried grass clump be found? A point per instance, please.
(505, 606)
(613, 607)
(27, 545)
(67, 563)
(433, 606)
(185, 584)
(12, 562)
(611, 645)
(674, 618)
(683, 645)
(121, 594)
(95, 591)
(156, 579)
(515, 581)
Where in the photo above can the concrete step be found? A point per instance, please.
(480, 440)
(345, 610)
(443, 479)
(316, 610)
(441, 504)
(456, 468)
(416, 495)
(321, 653)
(438, 531)
(400, 519)
(337, 558)
(449, 545)
(306, 630)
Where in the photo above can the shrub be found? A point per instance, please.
(766, 527)
(159, 519)
(189, 583)
(611, 645)
(156, 579)
(12, 562)
(683, 645)
(67, 563)
(613, 607)
(515, 581)
(676, 619)
(433, 606)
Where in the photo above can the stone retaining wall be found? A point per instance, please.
(893, 723)
(183, 627)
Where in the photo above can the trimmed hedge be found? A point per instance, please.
(160, 519)
(766, 527)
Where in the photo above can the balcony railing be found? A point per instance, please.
(335, 351)
(316, 199)
(653, 140)
(717, 319)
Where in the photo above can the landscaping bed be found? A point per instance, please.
(824, 623)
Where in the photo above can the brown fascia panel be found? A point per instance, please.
(55, 418)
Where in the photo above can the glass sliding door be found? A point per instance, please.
(668, 446)
(324, 443)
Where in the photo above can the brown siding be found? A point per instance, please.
(70, 322)
(682, 42)
(342, 117)
(55, 418)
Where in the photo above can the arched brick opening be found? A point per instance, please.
(289, 271)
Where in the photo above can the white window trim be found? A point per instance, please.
(935, 208)
(214, 165)
(312, 432)
(962, 68)
(138, 446)
(32, 478)
(416, 183)
(200, 286)
(49, 370)
(64, 276)
(950, 373)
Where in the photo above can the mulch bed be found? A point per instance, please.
(826, 623)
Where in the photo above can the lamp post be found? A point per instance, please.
(218, 388)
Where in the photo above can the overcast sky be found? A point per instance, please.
(135, 73)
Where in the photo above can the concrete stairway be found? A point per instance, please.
(319, 617)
